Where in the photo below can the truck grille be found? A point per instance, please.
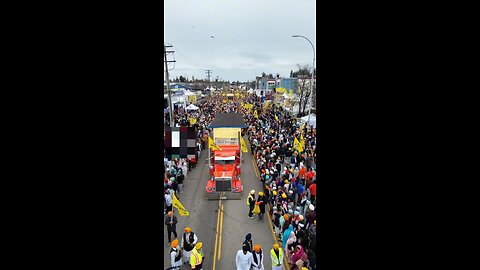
(223, 185)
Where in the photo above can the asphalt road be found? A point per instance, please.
(222, 233)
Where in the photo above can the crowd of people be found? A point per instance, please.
(287, 173)
(189, 252)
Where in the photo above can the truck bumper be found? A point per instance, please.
(224, 195)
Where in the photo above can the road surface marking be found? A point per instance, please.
(216, 236)
(255, 169)
(221, 230)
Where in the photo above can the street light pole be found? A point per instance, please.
(168, 85)
(311, 83)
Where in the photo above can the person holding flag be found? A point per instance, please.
(171, 222)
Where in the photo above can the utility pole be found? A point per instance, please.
(209, 86)
(168, 82)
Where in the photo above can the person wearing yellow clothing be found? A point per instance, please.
(196, 258)
(276, 253)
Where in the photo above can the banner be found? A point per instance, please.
(177, 204)
(244, 146)
(193, 121)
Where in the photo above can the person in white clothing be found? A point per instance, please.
(257, 258)
(189, 240)
(175, 255)
(244, 259)
(185, 168)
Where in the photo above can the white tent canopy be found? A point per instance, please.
(250, 91)
(313, 120)
(192, 107)
(189, 93)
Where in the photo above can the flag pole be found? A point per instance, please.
(240, 145)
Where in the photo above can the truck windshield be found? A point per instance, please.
(224, 162)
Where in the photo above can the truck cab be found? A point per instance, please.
(226, 159)
(224, 176)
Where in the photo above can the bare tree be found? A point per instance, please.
(303, 74)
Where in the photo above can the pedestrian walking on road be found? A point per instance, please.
(244, 259)
(171, 222)
(189, 240)
(196, 258)
(248, 242)
(168, 200)
(175, 255)
(257, 258)
(180, 179)
(276, 254)
(251, 203)
(263, 201)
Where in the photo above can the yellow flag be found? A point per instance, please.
(255, 114)
(297, 146)
(276, 117)
(193, 120)
(244, 146)
(302, 141)
(213, 145)
(177, 204)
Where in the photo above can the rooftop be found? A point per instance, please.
(228, 120)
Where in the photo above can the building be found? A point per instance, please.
(179, 99)
(265, 87)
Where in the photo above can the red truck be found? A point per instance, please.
(225, 174)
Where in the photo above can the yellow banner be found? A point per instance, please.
(244, 146)
(193, 121)
(177, 204)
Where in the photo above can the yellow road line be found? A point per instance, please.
(216, 236)
(255, 169)
(220, 239)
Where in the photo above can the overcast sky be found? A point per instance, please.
(249, 37)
